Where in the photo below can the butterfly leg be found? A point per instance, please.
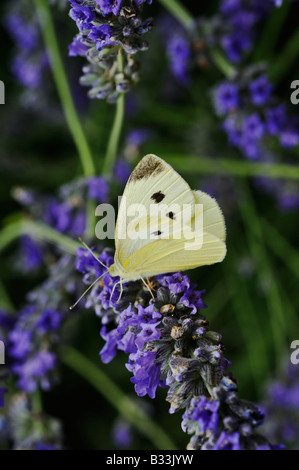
(148, 288)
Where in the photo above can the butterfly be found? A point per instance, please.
(154, 182)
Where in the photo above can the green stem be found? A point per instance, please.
(272, 29)
(241, 168)
(49, 36)
(247, 317)
(113, 142)
(178, 11)
(286, 58)
(281, 248)
(39, 231)
(5, 300)
(124, 405)
(256, 243)
(37, 408)
(222, 63)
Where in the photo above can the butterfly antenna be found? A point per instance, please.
(91, 252)
(87, 290)
(111, 295)
(121, 291)
(148, 288)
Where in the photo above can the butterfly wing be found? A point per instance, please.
(152, 182)
(165, 256)
(213, 220)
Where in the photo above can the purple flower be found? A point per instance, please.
(226, 98)
(289, 138)
(193, 299)
(276, 119)
(58, 215)
(49, 320)
(21, 343)
(260, 90)
(77, 47)
(31, 253)
(122, 171)
(82, 15)
(122, 434)
(98, 188)
(253, 127)
(236, 45)
(177, 282)
(109, 6)
(101, 35)
(179, 53)
(33, 372)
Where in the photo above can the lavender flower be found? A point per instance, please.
(282, 409)
(30, 64)
(66, 212)
(254, 120)
(37, 330)
(170, 344)
(29, 430)
(110, 32)
(122, 434)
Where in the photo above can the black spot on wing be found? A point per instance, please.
(157, 233)
(158, 197)
(171, 215)
(146, 168)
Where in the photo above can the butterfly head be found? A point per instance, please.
(116, 269)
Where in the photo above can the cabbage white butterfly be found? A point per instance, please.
(152, 183)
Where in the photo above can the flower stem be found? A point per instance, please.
(113, 142)
(178, 11)
(285, 59)
(256, 242)
(124, 405)
(240, 168)
(282, 248)
(222, 63)
(5, 301)
(39, 231)
(49, 36)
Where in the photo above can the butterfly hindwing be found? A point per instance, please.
(165, 256)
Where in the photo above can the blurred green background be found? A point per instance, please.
(252, 296)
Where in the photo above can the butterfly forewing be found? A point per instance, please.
(154, 186)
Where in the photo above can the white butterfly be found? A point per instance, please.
(153, 181)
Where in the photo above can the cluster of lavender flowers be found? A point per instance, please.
(282, 408)
(191, 48)
(170, 344)
(66, 213)
(257, 123)
(34, 334)
(110, 34)
(38, 331)
(27, 428)
(30, 64)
